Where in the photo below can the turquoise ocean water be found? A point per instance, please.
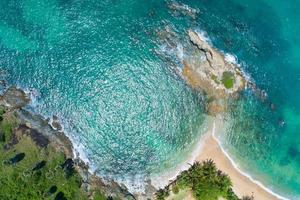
(94, 65)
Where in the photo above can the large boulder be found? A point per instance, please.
(14, 98)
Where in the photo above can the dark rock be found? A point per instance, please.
(17, 158)
(55, 123)
(39, 165)
(37, 137)
(53, 189)
(68, 166)
(60, 196)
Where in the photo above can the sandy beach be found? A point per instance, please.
(242, 185)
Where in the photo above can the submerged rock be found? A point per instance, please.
(180, 8)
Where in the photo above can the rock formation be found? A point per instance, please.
(203, 68)
(14, 98)
(218, 78)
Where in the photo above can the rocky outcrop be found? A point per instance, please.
(218, 78)
(14, 98)
(213, 70)
(202, 67)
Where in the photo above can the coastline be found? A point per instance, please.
(242, 183)
(46, 132)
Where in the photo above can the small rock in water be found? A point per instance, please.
(183, 9)
(293, 151)
(281, 122)
(272, 106)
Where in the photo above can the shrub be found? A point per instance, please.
(228, 79)
(175, 189)
(161, 194)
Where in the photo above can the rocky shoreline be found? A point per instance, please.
(44, 133)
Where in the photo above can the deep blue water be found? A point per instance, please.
(93, 64)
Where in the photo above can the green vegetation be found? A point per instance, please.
(28, 171)
(215, 79)
(20, 181)
(175, 189)
(7, 122)
(99, 196)
(204, 180)
(228, 79)
(161, 194)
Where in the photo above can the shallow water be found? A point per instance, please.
(94, 64)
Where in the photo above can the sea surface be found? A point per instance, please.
(98, 66)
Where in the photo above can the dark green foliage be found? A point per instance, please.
(2, 110)
(99, 196)
(228, 79)
(161, 194)
(6, 126)
(231, 195)
(175, 189)
(204, 180)
(2, 137)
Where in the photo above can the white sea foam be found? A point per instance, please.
(231, 58)
(180, 53)
(240, 171)
(203, 35)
